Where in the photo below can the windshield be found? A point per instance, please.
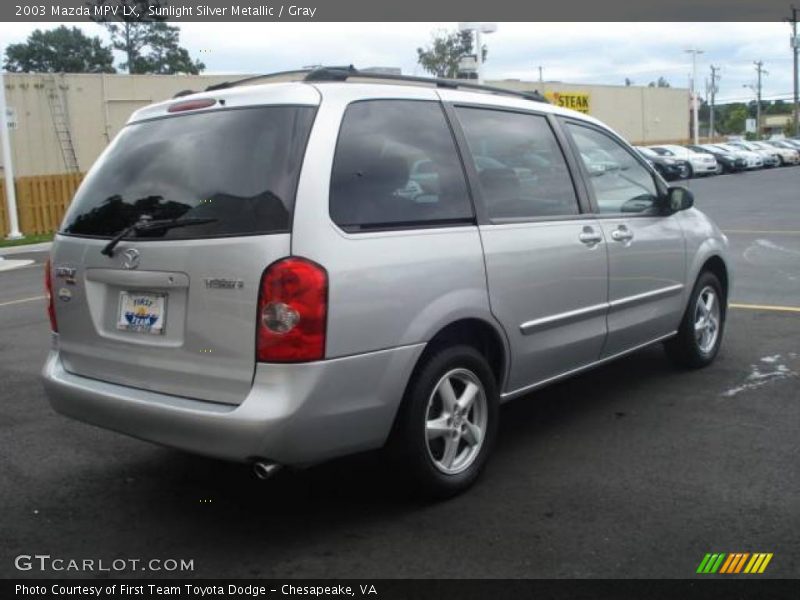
(662, 151)
(235, 168)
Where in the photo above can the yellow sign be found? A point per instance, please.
(574, 100)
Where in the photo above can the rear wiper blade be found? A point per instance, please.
(146, 223)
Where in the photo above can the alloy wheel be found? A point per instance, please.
(706, 319)
(456, 421)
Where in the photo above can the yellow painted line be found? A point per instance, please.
(21, 300)
(752, 562)
(762, 231)
(764, 564)
(772, 307)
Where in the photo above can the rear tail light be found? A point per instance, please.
(292, 312)
(48, 290)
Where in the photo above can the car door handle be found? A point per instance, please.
(590, 237)
(622, 234)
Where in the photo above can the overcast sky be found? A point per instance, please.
(604, 53)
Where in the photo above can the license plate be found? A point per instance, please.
(142, 312)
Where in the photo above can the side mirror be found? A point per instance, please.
(679, 198)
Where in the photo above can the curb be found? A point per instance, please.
(41, 247)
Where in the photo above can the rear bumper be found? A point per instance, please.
(294, 414)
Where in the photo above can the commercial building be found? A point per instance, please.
(61, 123)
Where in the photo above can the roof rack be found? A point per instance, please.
(321, 74)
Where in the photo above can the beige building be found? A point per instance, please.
(61, 123)
(642, 115)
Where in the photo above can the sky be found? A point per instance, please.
(597, 53)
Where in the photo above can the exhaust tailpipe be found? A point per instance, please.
(265, 469)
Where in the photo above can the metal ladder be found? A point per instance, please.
(58, 112)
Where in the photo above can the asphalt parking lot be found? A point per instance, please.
(636, 469)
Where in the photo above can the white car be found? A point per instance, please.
(787, 154)
(701, 164)
(754, 159)
(770, 157)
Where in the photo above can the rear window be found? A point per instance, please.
(239, 167)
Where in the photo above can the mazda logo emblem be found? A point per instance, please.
(130, 258)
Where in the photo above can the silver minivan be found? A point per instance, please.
(288, 272)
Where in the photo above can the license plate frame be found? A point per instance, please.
(142, 312)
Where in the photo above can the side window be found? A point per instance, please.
(521, 169)
(621, 183)
(396, 165)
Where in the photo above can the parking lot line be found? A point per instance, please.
(21, 300)
(771, 307)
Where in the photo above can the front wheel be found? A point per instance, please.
(700, 333)
(448, 422)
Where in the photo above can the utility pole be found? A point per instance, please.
(541, 77)
(696, 125)
(760, 71)
(795, 42)
(712, 92)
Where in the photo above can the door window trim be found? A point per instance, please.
(481, 211)
(661, 189)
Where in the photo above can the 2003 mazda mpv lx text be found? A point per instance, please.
(288, 272)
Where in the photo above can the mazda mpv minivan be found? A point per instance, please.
(293, 271)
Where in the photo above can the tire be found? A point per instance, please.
(424, 407)
(693, 348)
(720, 169)
(689, 171)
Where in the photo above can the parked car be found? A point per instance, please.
(787, 154)
(669, 168)
(793, 142)
(770, 157)
(286, 301)
(754, 160)
(700, 163)
(726, 162)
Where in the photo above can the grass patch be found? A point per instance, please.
(28, 239)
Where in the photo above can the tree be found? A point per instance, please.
(628, 82)
(148, 43)
(166, 56)
(441, 57)
(734, 119)
(59, 50)
(660, 83)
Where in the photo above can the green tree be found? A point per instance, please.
(59, 50)
(734, 120)
(165, 56)
(148, 43)
(440, 58)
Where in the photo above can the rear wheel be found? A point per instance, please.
(687, 172)
(700, 333)
(448, 423)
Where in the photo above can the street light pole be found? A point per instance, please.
(694, 52)
(478, 28)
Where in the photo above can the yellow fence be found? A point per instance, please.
(41, 202)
